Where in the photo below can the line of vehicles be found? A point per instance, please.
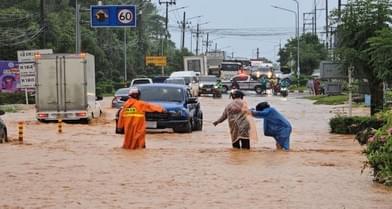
(65, 89)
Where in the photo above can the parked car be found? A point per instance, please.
(120, 97)
(183, 113)
(139, 81)
(207, 84)
(179, 81)
(3, 130)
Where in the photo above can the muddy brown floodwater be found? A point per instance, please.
(85, 168)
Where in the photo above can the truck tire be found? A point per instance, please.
(259, 90)
(198, 122)
(186, 128)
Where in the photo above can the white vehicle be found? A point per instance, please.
(191, 79)
(229, 69)
(138, 81)
(65, 87)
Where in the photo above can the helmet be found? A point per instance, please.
(134, 93)
(237, 94)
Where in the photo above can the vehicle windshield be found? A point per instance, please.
(208, 79)
(123, 91)
(260, 69)
(142, 81)
(175, 81)
(161, 94)
(230, 67)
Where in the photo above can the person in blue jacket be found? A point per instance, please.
(275, 124)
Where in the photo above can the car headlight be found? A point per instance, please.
(201, 85)
(269, 74)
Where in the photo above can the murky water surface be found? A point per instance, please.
(85, 168)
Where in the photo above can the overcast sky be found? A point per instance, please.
(240, 27)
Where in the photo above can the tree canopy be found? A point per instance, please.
(22, 29)
(357, 37)
(311, 53)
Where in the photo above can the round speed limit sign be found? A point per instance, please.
(125, 16)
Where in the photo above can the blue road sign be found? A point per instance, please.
(112, 16)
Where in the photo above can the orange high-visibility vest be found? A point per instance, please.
(132, 119)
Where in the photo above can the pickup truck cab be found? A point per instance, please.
(245, 82)
(139, 81)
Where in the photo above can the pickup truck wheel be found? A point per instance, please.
(258, 90)
(199, 122)
(186, 128)
(225, 89)
(3, 136)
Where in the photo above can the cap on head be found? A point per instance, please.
(237, 94)
(262, 105)
(134, 93)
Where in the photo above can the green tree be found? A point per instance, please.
(380, 53)
(21, 30)
(359, 21)
(311, 53)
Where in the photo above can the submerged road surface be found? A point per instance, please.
(85, 168)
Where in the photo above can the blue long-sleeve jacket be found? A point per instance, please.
(275, 124)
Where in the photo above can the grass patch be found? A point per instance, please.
(9, 108)
(329, 100)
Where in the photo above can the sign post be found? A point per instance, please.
(26, 59)
(114, 16)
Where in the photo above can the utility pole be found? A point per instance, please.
(77, 28)
(308, 16)
(43, 24)
(258, 53)
(141, 36)
(339, 8)
(315, 18)
(167, 2)
(183, 31)
(326, 24)
(125, 57)
(207, 43)
(197, 39)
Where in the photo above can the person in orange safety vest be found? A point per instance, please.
(132, 120)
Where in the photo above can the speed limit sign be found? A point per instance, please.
(113, 16)
(125, 16)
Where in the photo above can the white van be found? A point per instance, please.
(191, 79)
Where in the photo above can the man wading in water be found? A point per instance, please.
(237, 114)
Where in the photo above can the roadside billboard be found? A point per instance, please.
(26, 59)
(9, 76)
(29, 55)
(332, 70)
(27, 75)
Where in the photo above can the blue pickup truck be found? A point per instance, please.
(183, 113)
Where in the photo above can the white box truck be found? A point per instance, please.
(65, 87)
(196, 63)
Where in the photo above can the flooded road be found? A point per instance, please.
(85, 167)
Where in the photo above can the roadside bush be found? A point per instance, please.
(354, 125)
(329, 100)
(379, 152)
(15, 98)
